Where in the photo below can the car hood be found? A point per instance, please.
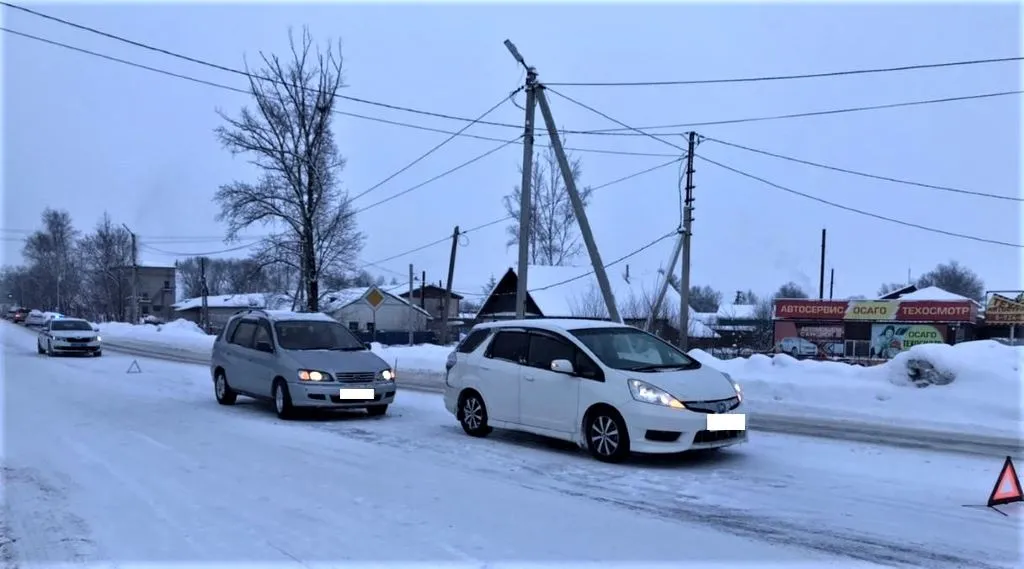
(339, 362)
(73, 334)
(702, 384)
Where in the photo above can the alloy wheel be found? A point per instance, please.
(472, 413)
(604, 435)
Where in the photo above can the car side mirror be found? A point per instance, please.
(95, 328)
(264, 347)
(562, 366)
(368, 345)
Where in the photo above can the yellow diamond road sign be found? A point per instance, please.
(374, 297)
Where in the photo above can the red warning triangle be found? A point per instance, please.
(1007, 488)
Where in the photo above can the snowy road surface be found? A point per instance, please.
(100, 466)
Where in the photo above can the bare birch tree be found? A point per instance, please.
(106, 254)
(289, 138)
(554, 232)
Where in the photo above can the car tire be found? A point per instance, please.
(282, 401)
(49, 349)
(222, 391)
(39, 348)
(377, 410)
(473, 415)
(795, 353)
(97, 353)
(606, 435)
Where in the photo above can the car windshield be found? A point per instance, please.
(316, 335)
(70, 325)
(633, 350)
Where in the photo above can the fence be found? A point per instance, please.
(397, 337)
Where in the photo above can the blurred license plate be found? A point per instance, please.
(356, 394)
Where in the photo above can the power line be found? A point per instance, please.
(633, 253)
(438, 147)
(758, 79)
(859, 211)
(335, 111)
(865, 174)
(619, 131)
(202, 254)
(636, 131)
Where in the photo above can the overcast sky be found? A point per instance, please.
(89, 135)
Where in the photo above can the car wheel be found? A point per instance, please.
(795, 353)
(607, 438)
(377, 410)
(39, 348)
(283, 401)
(473, 415)
(49, 348)
(97, 353)
(225, 395)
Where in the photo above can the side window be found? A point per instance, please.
(585, 367)
(229, 329)
(353, 326)
(545, 349)
(510, 346)
(473, 341)
(262, 333)
(243, 333)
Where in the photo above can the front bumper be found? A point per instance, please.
(328, 395)
(75, 347)
(654, 429)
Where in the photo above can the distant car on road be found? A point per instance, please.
(18, 315)
(69, 336)
(610, 388)
(298, 360)
(797, 347)
(38, 318)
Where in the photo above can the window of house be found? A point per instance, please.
(145, 310)
(353, 326)
(167, 284)
(157, 308)
(370, 327)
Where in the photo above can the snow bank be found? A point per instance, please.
(180, 334)
(422, 358)
(984, 397)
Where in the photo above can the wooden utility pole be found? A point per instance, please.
(446, 302)
(831, 283)
(135, 276)
(204, 310)
(525, 188)
(684, 281)
(821, 269)
(412, 308)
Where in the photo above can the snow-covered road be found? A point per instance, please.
(101, 466)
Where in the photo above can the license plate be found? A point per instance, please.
(356, 394)
(727, 422)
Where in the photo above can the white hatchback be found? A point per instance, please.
(608, 387)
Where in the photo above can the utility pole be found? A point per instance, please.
(821, 269)
(135, 276)
(831, 284)
(446, 303)
(423, 290)
(684, 281)
(204, 291)
(412, 309)
(663, 286)
(578, 209)
(525, 189)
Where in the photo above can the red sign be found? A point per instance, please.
(877, 310)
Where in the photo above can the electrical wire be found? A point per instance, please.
(619, 131)
(335, 111)
(864, 174)
(859, 211)
(202, 254)
(611, 264)
(440, 145)
(759, 79)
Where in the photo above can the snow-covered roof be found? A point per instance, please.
(737, 311)
(932, 293)
(336, 300)
(573, 291)
(244, 300)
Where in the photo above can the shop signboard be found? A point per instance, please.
(1002, 309)
(877, 310)
(887, 340)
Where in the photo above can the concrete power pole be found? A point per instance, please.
(134, 306)
(446, 302)
(525, 186)
(684, 282)
(412, 309)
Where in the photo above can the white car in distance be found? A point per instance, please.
(69, 336)
(610, 388)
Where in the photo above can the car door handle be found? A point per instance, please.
(529, 377)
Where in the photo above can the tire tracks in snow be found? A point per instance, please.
(604, 484)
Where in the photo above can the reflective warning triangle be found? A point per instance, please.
(134, 368)
(1007, 488)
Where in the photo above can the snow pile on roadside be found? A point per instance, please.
(178, 334)
(984, 398)
(421, 358)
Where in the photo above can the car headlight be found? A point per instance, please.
(387, 375)
(99, 339)
(313, 375)
(735, 386)
(647, 393)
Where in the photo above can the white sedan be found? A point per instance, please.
(69, 336)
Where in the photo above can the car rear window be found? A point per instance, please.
(473, 341)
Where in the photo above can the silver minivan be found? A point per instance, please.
(298, 360)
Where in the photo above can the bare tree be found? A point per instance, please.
(886, 288)
(106, 254)
(955, 278)
(53, 265)
(289, 138)
(554, 233)
(587, 304)
(790, 290)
